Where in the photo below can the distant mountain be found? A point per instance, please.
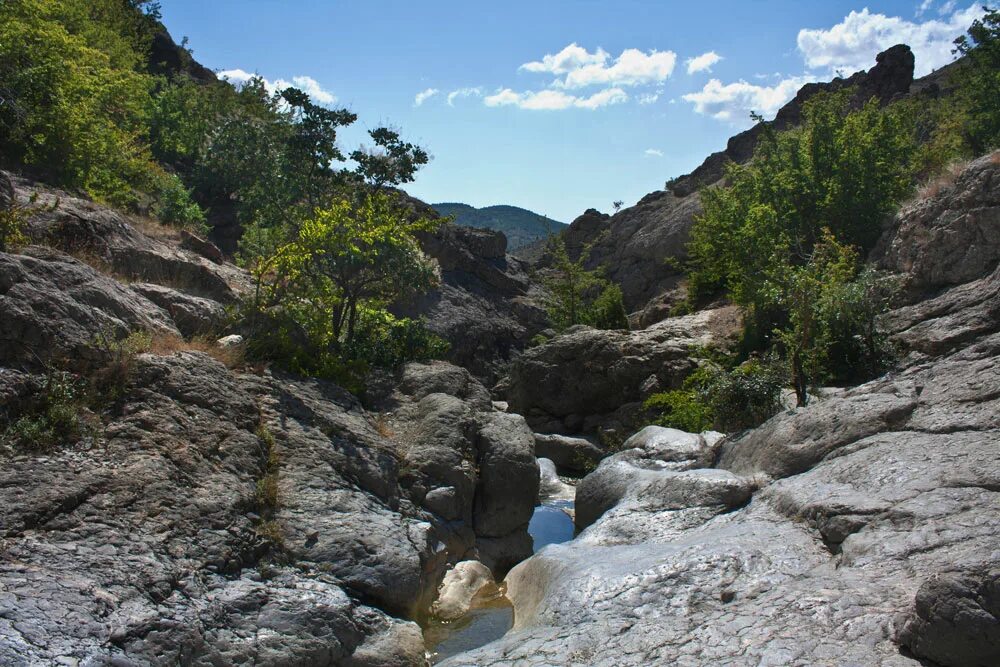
(521, 226)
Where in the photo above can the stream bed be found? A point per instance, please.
(551, 523)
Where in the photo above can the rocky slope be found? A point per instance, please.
(636, 244)
(858, 530)
(209, 515)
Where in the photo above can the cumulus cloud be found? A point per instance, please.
(424, 95)
(653, 152)
(464, 92)
(570, 58)
(553, 100)
(702, 63)
(733, 102)
(306, 84)
(852, 44)
(632, 68)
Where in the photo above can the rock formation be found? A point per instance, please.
(870, 534)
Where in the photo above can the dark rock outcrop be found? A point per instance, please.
(485, 306)
(579, 380)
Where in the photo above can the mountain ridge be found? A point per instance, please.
(521, 226)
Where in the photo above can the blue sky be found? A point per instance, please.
(557, 106)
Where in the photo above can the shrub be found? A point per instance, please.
(174, 205)
(577, 295)
(748, 395)
(58, 418)
(12, 223)
(682, 409)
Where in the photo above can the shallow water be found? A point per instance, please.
(550, 524)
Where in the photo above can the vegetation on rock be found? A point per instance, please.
(580, 296)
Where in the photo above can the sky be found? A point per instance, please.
(557, 105)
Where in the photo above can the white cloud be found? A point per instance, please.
(653, 152)
(924, 6)
(852, 44)
(571, 58)
(553, 100)
(947, 8)
(463, 92)
(702, 63)
(648, 98)
(632, 68)
(733, 102)
(424, 95)
(306, 84)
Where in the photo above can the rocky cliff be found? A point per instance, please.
(206, 512)
(858, 530)
(641, 246)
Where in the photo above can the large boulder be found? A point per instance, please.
(567, 452)
(594, 373)
(193, 315)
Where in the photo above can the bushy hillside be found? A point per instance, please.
(521, 226)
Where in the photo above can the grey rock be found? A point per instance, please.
(53, 307)
(596, 372)
(957, 620)
(192, 315)
(508, 481)
(567, 452)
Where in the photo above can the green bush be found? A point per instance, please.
(980, 81)
(577, 295)
(13, 220)
(748, 395)
(57, 418)
(682, 409)
(174, 205)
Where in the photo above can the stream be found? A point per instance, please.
(551, 523)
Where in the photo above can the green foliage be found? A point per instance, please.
(391, 161)
(718, 395)
(842, 170)
(831, 332)
(13, 220)
(57, 418)
(980, 81)
(748, 395)
(579, 296)
(327, 290)
(682, 409)
(175, 207)
(75, 96)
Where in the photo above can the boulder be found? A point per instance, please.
(508, 475)
(201, 246)
(459, 588)
(550, 487)
(597, 372)
(567, 452)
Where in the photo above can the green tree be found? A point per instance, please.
(75, 94)
(980, 81)
(577, 295)
(344, 267)
(391, 161)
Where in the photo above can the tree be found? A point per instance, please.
(391, 162)
(349, 257)
(981, 80)
(579, 296)
(617, 205)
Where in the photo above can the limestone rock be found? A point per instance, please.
(461, 584)
(192, 315)
(570, 453)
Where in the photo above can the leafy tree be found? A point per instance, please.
(175, 207)
(980, 80)
(74, 95)
(336, 278)
(391, 162)
(580, 296)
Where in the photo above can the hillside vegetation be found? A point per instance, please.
(521, 226)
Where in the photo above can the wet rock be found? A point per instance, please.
(461, 584)
(550, 486)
